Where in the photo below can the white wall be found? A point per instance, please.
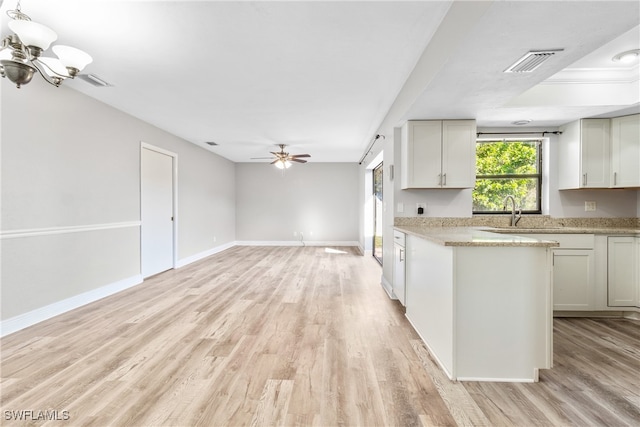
(71, 196)
(320, 200)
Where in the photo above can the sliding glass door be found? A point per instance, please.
(377, 212)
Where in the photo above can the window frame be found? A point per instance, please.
(537, 176)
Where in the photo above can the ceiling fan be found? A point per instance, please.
(282, 159)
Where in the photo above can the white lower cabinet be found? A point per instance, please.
(399, 260)
(484, 313)
(573, 279)
(623, 282)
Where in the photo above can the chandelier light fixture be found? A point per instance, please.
(21, 53)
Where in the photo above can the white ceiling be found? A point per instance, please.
(326, 76)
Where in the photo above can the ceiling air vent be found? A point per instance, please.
(94, 80)
(531, 60)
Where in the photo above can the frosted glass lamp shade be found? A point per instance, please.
(33, 34)
(72, 57)
(53, 67)
(283, 164)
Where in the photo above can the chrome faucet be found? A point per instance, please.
(514, 219)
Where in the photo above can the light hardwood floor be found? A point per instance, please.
(292, 336)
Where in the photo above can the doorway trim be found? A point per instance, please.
(174, 178)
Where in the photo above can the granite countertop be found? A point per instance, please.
(472, 236)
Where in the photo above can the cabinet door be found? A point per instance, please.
(595, 158)
(622, 272)
(573, 279)
(458, 154)
(399, 273)
(421, 153)
(625, 151)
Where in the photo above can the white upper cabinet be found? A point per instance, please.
(438, 154)
(459, 153)
(584, 160)
(421, 151)
(625, 151)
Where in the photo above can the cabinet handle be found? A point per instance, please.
(439, 179)
(445, 179)
(401, 252)
(615, 178)
(584, 179)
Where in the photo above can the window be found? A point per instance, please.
(508, 168)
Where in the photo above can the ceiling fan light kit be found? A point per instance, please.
(282, 164)
(283, 160)
(21, 53)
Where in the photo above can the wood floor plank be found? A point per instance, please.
(292, 336)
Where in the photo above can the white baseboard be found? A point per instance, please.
(197, 257)
(294, 243)
(22, 321)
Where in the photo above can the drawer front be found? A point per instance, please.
(399, 237)
(568, 241)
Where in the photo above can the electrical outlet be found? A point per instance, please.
(295, 234)
(400, 207)
(421, 208)
(589, 206)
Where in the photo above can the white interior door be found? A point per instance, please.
(157, 212)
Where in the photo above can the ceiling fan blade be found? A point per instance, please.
(298, 160)
(274, 162)
(300, 155)
(261, 158)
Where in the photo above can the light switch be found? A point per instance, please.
(400, 207)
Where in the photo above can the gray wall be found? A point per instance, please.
(318, 199)
(71, 185)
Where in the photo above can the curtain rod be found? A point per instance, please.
(555, 132)
(366, 153)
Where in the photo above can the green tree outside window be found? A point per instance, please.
(507, 168)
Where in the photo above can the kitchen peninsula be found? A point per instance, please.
(481, 301)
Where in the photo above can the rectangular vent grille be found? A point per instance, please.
(94, 80)
(531, 60)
